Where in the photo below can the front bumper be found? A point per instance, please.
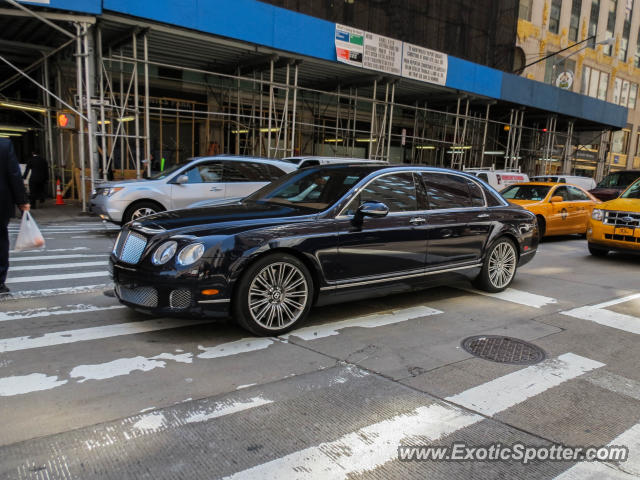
(606, 236)
(169, 295)
(107, 208)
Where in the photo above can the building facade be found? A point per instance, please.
(603, 64)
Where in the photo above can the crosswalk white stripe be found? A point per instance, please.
(45, 250)
(92, 333)
(517, 296)
(49, 311)
(373, 446)
(55, 266)
(46, 278)
(58, 257)
(600, 314)
(366, 321)
(628, 470)
(50, 292)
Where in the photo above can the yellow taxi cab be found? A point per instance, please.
(615, 225)
(561, 209)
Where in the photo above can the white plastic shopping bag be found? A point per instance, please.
(29, 236)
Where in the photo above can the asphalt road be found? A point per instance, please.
(89, 389)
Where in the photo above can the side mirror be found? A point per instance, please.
(557, 199)
(182, 179)
(373, 209)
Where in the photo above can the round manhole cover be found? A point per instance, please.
(503, 349)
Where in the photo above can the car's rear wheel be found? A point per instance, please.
(141, 209)
(499, 267)
(598, 251)
(273, 295)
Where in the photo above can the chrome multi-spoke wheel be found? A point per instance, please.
(142, 212)
(502, 264)
(499, 267)
(278, 295)
(273, 295)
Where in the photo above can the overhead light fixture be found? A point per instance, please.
(127, 119)
(13, 129)
(267, 130)
(425, 147)
(24, 106)
(333, 140)
(106, 122)
(466, 147)
(236, 132)
(495, 152)
(8, 134)
(366, 140)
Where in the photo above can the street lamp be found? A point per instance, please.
(608, 41)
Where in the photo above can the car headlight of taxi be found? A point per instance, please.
(164, 253)
(597, 214)
(190, 254)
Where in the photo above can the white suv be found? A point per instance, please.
(201, 179)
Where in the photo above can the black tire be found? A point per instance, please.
(598, 251)
(153, 207)
(282, 313)
(542, 226)
(485, 279)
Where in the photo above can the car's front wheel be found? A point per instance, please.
(273, 295)
(499, 267)
(141, 209)
(598, 251)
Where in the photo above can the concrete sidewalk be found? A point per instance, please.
(70, 211)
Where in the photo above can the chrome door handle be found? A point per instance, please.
(417, 220)
(483, 215)
(215, 189)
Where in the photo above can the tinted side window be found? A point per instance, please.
(205, 173)
(241, 172)
(446, 191)
(397, 191)
(484, 177)
(477, 198)
(577, 194)
(492, 200)
(273, 172)
(562, 192)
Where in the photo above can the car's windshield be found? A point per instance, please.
(314, 189)
(633, 191)
(165, 173)
(618, 180)
(526, 192)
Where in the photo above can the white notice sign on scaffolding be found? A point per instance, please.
(349, 45)
(41, 2)
(383, 54)
(423, 64)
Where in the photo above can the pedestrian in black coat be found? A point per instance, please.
(12, 193)
(39, 169)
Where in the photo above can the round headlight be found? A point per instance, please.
(164, 253)
(597, 214)
(190, 254)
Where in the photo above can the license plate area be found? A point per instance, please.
(626, 232)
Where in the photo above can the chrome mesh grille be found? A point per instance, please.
(144, 296)
(180, 298)
(134, 245)
(622, 219)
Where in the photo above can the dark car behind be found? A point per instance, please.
(614, 184)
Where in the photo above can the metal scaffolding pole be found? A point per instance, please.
(484, 134)
(89, 73)
(393, 96)
(103, 124)
(294, 109)
(47, 102)
(568, 144)
(136, 103)
(80, 91)
(373, 116)
(147, 121)
(270, 108)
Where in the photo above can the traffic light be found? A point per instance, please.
(66, 120)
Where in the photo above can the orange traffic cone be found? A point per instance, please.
(59, 200)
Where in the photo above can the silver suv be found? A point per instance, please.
(203, 178)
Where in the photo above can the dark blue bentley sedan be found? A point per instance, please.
(322, 235)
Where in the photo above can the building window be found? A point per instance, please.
(574, 23)
(524, 10)
(633, 95)
(637, 59)
(554, 16)
(620, 141)
(593, 22)
(625, 93)
(638, 145)
(602, 86)
(617, 87)
(626, 31)
(594, 83)
(611, 25)
(584, 87)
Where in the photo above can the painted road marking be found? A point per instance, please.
(66, 276)
(600, 314)
(366, 321)
(50, 292)
(627, 470)
(370, 447)
(34, 382)
(517, 296)
(52, 266)
(57, 257)
(49, 311)
(44, 250)
(93, 333)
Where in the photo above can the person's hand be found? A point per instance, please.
(25, 207)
